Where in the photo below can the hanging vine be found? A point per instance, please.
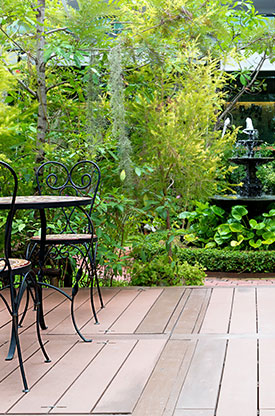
(95, 121)
(119, 131)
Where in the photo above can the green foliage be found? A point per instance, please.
(193, 275)
(176, 120)
(161, 272)
(170, 85)
(210, 226)
(230, 261)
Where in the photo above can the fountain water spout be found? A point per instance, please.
(249, 126)
(226, 124)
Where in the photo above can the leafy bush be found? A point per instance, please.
(230, 261)
(210, 226)
(160, 272)
(193, 275)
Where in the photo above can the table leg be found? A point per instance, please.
(15, 302)
(41, 265)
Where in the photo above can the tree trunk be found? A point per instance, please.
(42, 123)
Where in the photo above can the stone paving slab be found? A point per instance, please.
(217, 281)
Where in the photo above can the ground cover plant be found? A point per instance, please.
(138, 88)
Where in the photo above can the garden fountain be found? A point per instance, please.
(250, 194)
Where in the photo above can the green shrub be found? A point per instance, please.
(192, 275)
(229, 261)
(160, 272)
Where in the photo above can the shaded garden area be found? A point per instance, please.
(138, 87)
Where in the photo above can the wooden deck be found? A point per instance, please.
(156, 352)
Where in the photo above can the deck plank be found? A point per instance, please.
(136, 311)
(45, 394)
(83, 313)
(194, 412)
(123, 393)
(161, 312)
(218, 312)
(201, 386)
(238, 395)
(243, 319)
(11, 387)
(162, 380)
(266, 309)
(266, 373)
(86, 391)
(157, 352)
(190, 313)
(111, 312)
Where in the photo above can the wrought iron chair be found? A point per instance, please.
(12, 267)
(75, 238)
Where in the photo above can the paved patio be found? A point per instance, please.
(206, 351)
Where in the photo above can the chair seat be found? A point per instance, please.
(17, 266)
(66, 238)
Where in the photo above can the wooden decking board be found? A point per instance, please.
(243, 318)
(83, 314)
(115, 308)
(162, 380)
(95, 379)
(29, 347)
(266, 373)
(161, 312)
(201, 386)
(58, 379)
(238, 394)
(190, 313)
(60, 316)
(179, 307)
(266, 309)
(198, 412)
(123, 393)
(218, 313)
(152, 354)
(135, 312)
(179, 381)
(202, 312)
(36, 368)
(56, 317)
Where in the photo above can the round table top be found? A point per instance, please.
(44, 201)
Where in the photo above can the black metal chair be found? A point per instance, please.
(73, 236)
(15, 274)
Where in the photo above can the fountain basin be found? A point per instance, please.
(246, 160)
(255, 205)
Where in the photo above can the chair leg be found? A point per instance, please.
(37, 304)
(93, 275)
(15, 300)
(74, 293)
(92, 302)
(94, 271)
(74, 321)
(21, 365)
(98, 287)
(12, 345)
(41, 314)
(25, 309)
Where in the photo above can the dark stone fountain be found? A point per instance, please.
(250, 194)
